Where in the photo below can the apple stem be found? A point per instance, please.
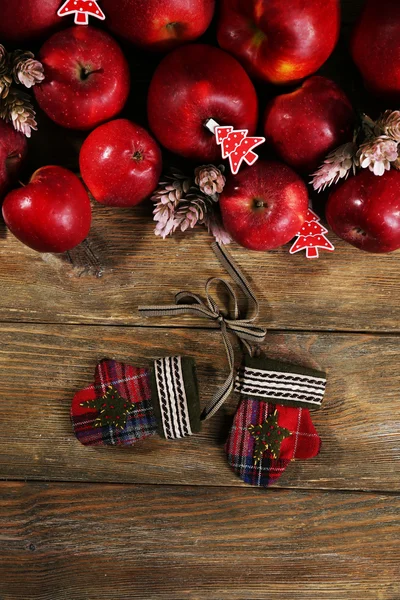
(21, 183)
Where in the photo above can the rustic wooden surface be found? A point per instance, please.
(139, 542)
(170, 520)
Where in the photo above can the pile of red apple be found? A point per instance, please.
(88, 81)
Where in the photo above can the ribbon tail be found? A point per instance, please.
(223, 393)
(174, 310)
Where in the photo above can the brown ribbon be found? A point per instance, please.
(244, 329)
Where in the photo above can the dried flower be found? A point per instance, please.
(337, 165)
(25, 69)
(210, 180)
(389, 124)
(17, 109)
(377, 154)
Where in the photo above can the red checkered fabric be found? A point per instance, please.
(302, 444)
(133, 385)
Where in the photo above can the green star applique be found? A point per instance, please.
(268, 436)
(112, 407)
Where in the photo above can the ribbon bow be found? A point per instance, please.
(244, 329)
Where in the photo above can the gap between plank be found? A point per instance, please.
(203, 486)
(375, 332)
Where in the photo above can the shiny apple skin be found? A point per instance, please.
(375, 48)
(159, 25)
(284, 200)
(365, 211)
(13, 149)
(279, 41)
(305, 125)
(67, 95)
(195, 83)
(120, 163)
(51, 213)
(25, 20)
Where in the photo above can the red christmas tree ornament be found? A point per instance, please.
(82, 9)
(311, 237)
(235, 144)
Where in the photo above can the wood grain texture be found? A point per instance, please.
(84, 542)
(41, 367)
(345, 290)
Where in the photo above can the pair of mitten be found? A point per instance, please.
(271, 427)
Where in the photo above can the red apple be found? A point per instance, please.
(280, 41)
(191, 85)
(120, 163)
(13, 148)
(157, 24)
(264, 206)
(50, 214)
(24, 20)
(305, 125)
(86, 78)
(365, 211)
(376, 48)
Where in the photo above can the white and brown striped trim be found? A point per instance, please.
(175, 420)
(281, 387)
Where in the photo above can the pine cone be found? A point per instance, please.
(210, 180)
(213, 222)
(389, 124)
(191, 210)
(17, 109)
(172, 188)
(5, 76)
(377, 154)
(26, 69)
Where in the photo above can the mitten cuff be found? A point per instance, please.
(175, 397)
(281, 383)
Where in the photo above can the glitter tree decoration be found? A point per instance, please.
(311, 237)
(83, 9)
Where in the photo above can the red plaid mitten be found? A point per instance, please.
(272, 424)
(126, 404)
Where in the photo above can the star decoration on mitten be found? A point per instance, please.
(112, 407)
(268, 436)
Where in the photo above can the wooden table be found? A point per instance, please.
(170, 520)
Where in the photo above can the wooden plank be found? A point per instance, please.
(41, 367)
(346, 290)
(64, 541)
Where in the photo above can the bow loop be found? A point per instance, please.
(227, 320)
(232, 298)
